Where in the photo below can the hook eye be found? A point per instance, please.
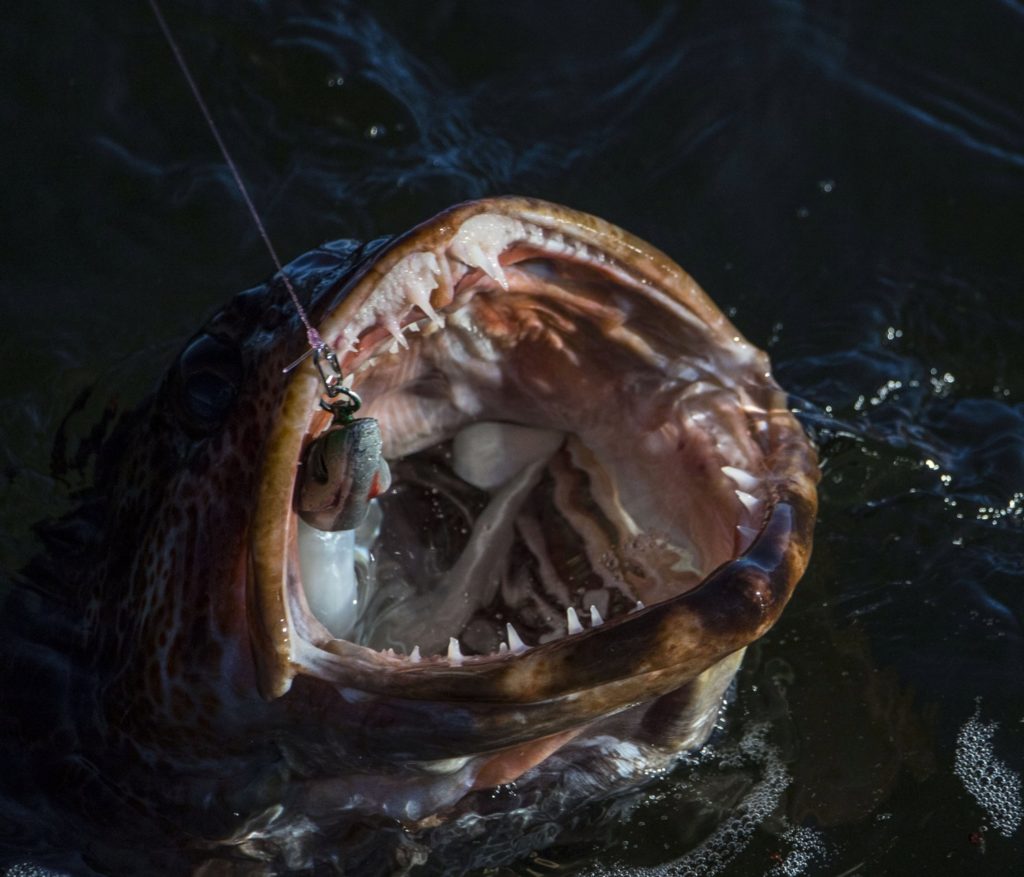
(342, 409)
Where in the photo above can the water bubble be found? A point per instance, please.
(724, 844)
(806, 848)
(995, 787)
(29, 870)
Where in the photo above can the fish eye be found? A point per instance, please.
(209, 373)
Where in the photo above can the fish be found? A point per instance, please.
(595, 497)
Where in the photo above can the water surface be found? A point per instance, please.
(846, 180)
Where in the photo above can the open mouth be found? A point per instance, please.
(576, 435)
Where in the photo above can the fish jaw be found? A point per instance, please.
(484, 251)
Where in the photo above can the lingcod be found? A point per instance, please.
(589, 496)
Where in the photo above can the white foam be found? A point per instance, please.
(806, 848)
(27, 869)
(995, 787)
(714, 855)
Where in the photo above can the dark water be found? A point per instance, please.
(846, 179)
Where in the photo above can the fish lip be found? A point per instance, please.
(652, 651)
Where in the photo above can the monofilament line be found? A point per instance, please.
(315, 341)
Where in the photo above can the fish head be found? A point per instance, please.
(572, 423)
(599, 498)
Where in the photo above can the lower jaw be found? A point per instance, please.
(602, 757)
(659, 731)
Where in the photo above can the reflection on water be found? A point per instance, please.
(846, 182)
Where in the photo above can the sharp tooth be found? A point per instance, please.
(395, 329)
(393, 347)
(515, 644)
(489, 264)
(349, 336)
(412, 327)
(639, 606)
(454, 652)
(572, 621)
(421, 298)
(595, 616)
(365, 365)
(502, 648)
(481, 240)
(744, 480)
(415, 277)
(750, 503)
(414, 655)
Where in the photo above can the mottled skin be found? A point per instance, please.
(135, 621)
(201, 717)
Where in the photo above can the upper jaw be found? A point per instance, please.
(656, 649)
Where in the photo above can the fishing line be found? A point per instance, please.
(344, 467)
(317, 346)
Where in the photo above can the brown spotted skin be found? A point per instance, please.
(158, 591)
(175, 713)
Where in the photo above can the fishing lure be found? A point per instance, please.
(344, 467)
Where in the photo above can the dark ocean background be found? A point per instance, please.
(845, 179)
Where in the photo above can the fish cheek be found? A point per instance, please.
(206, 382)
